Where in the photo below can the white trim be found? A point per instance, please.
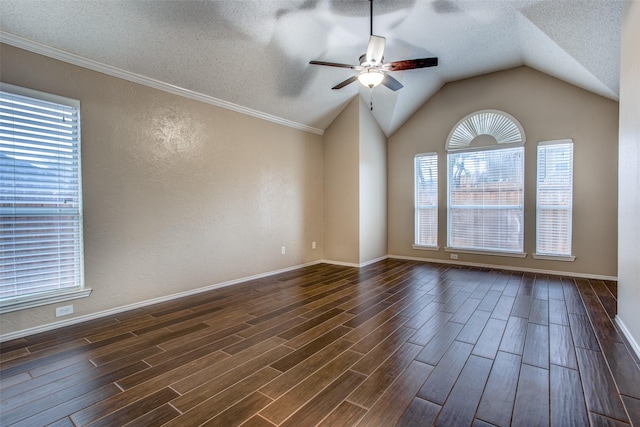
(373, 261)
(90, 64)
(549, 206)
(507, 267)
(556, 142)
(24, 302)
(487, 148)
(426, 248)
(492, 253)
(341, 263)
(354, 264)
(85, 318)
(565, 258)
(80, 319)
(498, 144)
(634, 344)
(417, 207)
(37, 94)
(37, 300)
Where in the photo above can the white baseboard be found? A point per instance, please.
(506, 267)
(341, 263)
(634, 344)
(92, 316)
(353, 264)
(80, 319)
(373, 261)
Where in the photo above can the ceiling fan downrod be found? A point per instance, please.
(371, 17)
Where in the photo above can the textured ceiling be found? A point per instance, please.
(256, 53)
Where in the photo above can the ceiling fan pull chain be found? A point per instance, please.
(371, 99)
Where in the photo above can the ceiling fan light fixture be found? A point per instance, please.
(372, 71)
(371, 77)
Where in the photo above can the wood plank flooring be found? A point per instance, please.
(395, 343)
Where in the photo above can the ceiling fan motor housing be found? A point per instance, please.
(363, 61)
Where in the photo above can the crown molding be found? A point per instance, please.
(90, 64)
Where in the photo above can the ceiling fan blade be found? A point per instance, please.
(346, 82)
(411, 64)
(375, 49)
(335, 64)
(391, 83)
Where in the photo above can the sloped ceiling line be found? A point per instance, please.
(70, 58)
(252, 56)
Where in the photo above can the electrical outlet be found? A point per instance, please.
(313, 245)
(284, 250)
(454, 256)
(64, 311)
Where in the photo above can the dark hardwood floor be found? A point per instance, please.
(395, 343)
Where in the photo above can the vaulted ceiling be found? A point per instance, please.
(255, 53)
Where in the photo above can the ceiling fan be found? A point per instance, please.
(372, 71)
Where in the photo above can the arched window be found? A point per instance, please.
(485, 183)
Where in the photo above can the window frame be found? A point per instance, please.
(485, 130)
(548, 255)
(417, 207)
(22, 302)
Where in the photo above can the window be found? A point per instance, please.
(41, 256)
(554, 199)
(485, 181)
(426, 200)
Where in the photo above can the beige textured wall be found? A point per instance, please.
(178, 194)
(373, 187)
(341, 173)
(629, 176)
(548, 109)
(355, 221)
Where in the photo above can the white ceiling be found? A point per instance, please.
(256, 53)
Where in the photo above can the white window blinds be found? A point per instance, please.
(554, 198)
(40, 196)
(426, 199)
(486, 200)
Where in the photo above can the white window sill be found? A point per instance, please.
(31, 301)
(566, 258)
(493, 253)
(425, 248)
